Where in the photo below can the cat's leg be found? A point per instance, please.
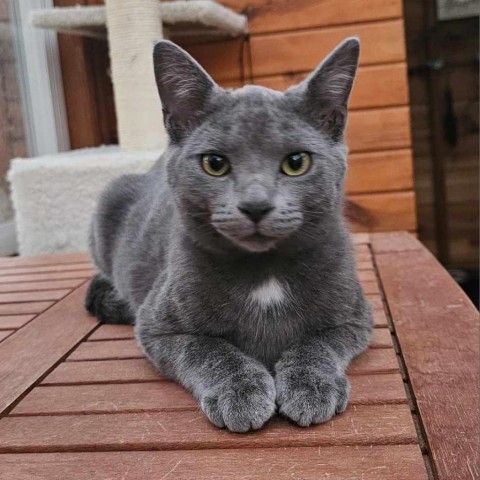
(234, 391)
(105, 303)
(310, 377)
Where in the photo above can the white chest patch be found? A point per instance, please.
(269, 293)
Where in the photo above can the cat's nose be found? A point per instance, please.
(255, 211)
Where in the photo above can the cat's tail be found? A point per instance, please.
(103, 302)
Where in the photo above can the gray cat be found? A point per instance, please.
(231, 255)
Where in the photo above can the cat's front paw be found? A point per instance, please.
(309, 398)
(241, 403)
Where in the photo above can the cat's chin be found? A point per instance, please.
(256, 243)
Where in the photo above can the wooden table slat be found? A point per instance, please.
(49, 276)
(168, 396)
(62, 267)
(399, 462)
(29, 353)
(139, 369)
(40, 286)
(438, 332)
(14, 321)
(21, 297)
(359, 425)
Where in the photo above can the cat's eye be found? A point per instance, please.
(214, 164)
(296, 164)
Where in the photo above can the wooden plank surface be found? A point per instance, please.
(399, 462)
(28, 296)
(39, 286)
(24, 308)
(359, 425)
(168, 396)
(304, 49)
(438, 331)
(382, 211)
(267, 16)
(111, 349)
(14, 321)
(139, 369)
(5, 333)
(38, 346)
(56, 259)
(34, 276)
(387, 81)
(379, 171)
(61, 267)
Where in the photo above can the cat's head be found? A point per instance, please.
(255, 168)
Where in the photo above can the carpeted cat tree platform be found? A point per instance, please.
(54, 196)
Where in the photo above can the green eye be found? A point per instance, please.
(215, 165)
(296, 164)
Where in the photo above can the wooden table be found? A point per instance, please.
(77, 400)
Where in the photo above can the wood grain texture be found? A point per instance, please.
(20, 297)
(63, 267)
(21, 308)
(56, 259)
(39, 345)
(438, 331)
(389, 83)
(45, 277)
(189, 430)
(378, 129)
(399, 462)
(168, 396)
(14, 321)
(40, 286)
(111, 349)
(268, 16)
(379, 171)
(139, 369)
(382, 211)
(5, 333)
(300, 51)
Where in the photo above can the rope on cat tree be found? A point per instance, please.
(133, 29)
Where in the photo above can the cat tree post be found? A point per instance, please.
(133, 28)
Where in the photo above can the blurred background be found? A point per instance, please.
(414, 119)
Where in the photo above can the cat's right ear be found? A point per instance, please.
(184, 87)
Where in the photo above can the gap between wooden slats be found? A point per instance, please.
(14, 321)
(50, 276)
(401, 462)
(266, 16)
(359, 425)
(25, 297)
(40, 286)
(373, 361)
(70, 267)
(57, 259)
(301, 50)
(168, 396)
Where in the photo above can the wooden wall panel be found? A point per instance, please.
(378, 212)
(299, 51)
(380, 171)
(375, 86)
(267, 16)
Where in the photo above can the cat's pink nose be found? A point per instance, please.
(255, 211)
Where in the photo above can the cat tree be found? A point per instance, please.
(54, 196)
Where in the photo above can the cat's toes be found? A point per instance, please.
(308, 399)
(242, 405)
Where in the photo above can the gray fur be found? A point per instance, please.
(190, 265)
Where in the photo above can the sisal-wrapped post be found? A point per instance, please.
(133, 29)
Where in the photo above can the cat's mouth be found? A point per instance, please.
(256, 242)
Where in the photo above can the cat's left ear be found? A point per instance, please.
(325, 92)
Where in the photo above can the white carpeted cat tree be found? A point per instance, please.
(54, 196)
